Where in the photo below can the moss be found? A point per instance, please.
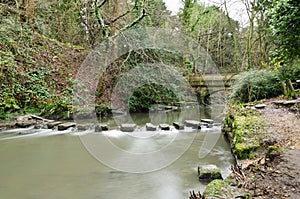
(243, 127)
(215, 187)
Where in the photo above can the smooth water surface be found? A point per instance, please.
(56, 165)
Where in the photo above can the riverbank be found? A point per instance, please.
(266, 143)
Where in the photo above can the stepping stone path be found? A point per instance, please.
(209, 172)
(65, 126)
(128, 127)
(193, 123)
(165, 127)
(150, 127)
(178, 125)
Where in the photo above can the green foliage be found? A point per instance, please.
(147, 95)
(291, 72)
(256, 85)
(285, 27)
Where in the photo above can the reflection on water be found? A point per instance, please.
(59, 166)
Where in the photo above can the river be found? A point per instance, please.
(50, 164)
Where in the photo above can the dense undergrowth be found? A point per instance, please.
(37, 73)
(256, 85)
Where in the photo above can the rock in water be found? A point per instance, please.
(165, 127)
(150, 127)
(51, 125)
(193, 123)
(65, 126)
(209, 172)
(128, 127)
(178, 125)
(208, 121)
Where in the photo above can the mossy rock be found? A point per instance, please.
(209, 172)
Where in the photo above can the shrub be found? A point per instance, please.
(256, 85)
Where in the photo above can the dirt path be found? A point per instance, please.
(277, 175)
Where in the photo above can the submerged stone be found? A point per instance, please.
(209, 172)
(128, 127)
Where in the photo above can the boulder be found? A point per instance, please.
(165, 127)
(209, 172)
(51, 125)
(298, 81)
(260, 106)
(208, 121)
(128, 127)
(178, 125)
(65, 126)
(150, 127)
(25, 124)
(193, 123)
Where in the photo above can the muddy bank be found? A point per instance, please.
(266, 143)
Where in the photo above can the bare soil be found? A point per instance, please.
(275, 173)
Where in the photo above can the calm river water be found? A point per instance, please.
(50, 164)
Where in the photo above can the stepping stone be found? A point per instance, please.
(65, 126)
(165, 127)
(83, 127)
(150, 127)
(193, 123)
(128, 127)
(51, 125)
(209, 172)
(178, 125)
(208, 121)
(260, 106)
